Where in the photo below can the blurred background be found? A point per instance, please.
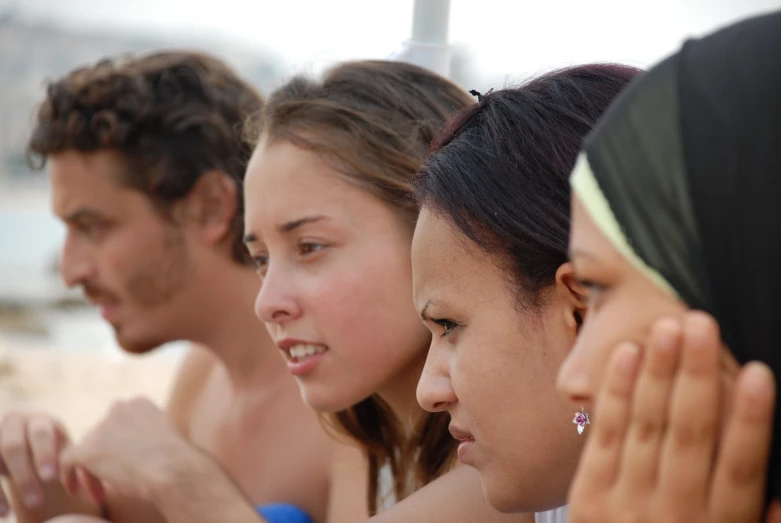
(55, 352)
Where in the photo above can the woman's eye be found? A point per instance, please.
(310, 248)
(448, 325)
(593, 289)
(260, 262)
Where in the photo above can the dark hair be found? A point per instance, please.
(500, 171)
(374, 121)
(172, 116)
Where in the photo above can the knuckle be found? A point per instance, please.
(646, 429)
(745, 473)
(11, 418)
(690, 433)
(40, 432)
(13, 448)
(607, 436)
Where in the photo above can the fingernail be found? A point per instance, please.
(3, 510)
(758, 380)
(628, 357)
(47, 472)
(32, 499)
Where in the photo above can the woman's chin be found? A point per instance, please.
(504, 495)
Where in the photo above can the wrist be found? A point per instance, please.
(178, 475)
(193, 487)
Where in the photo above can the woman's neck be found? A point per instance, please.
(400, 394)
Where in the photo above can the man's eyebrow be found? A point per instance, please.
(81, 214)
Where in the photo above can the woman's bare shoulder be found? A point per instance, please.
(455, 496)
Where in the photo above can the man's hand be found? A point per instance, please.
(30, 446)
(133, 450)
(137, 452)
(660, 450)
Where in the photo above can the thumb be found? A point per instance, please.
(92, 485)
(68, 476)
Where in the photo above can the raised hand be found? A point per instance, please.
(665, 446)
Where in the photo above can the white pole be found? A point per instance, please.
(430, 21)
(429, 46)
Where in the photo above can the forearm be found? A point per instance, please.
(197, 490)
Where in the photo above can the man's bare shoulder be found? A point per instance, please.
(192, 376)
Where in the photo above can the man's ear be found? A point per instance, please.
(576, 296)
(211, 206)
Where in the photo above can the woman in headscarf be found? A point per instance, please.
(676, 208)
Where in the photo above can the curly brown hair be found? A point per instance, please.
(172, 116)
(374, 120)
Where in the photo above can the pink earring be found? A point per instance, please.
(581, 420)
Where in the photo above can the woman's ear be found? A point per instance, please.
(575, 294)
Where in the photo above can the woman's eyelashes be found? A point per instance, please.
(306, 248)
(594, 289)
(260, 262)
(448, 325)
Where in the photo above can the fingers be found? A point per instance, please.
(739, 479)
(18, 460)
(599, 464)
(648, 423)
(75, 474)
(46, 439)
(92, 485)
(67, 466)
(687, 450)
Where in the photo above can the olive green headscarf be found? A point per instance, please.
(683, 175)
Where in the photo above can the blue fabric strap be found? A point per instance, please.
(283, 513)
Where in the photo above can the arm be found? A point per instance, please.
(187, 385)
(201, 492)
(456, 496)
(197, 490)
(348, 484)
(160, 469)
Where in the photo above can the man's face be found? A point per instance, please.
(131, 262)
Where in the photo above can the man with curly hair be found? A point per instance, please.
(146, 160)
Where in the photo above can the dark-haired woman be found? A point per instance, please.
(675, 210)
(493, 284)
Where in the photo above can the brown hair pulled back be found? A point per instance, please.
(374, 121)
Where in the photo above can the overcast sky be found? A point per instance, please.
(507, 38)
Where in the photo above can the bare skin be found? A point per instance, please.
(232, 398)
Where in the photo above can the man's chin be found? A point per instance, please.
(136, 344)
